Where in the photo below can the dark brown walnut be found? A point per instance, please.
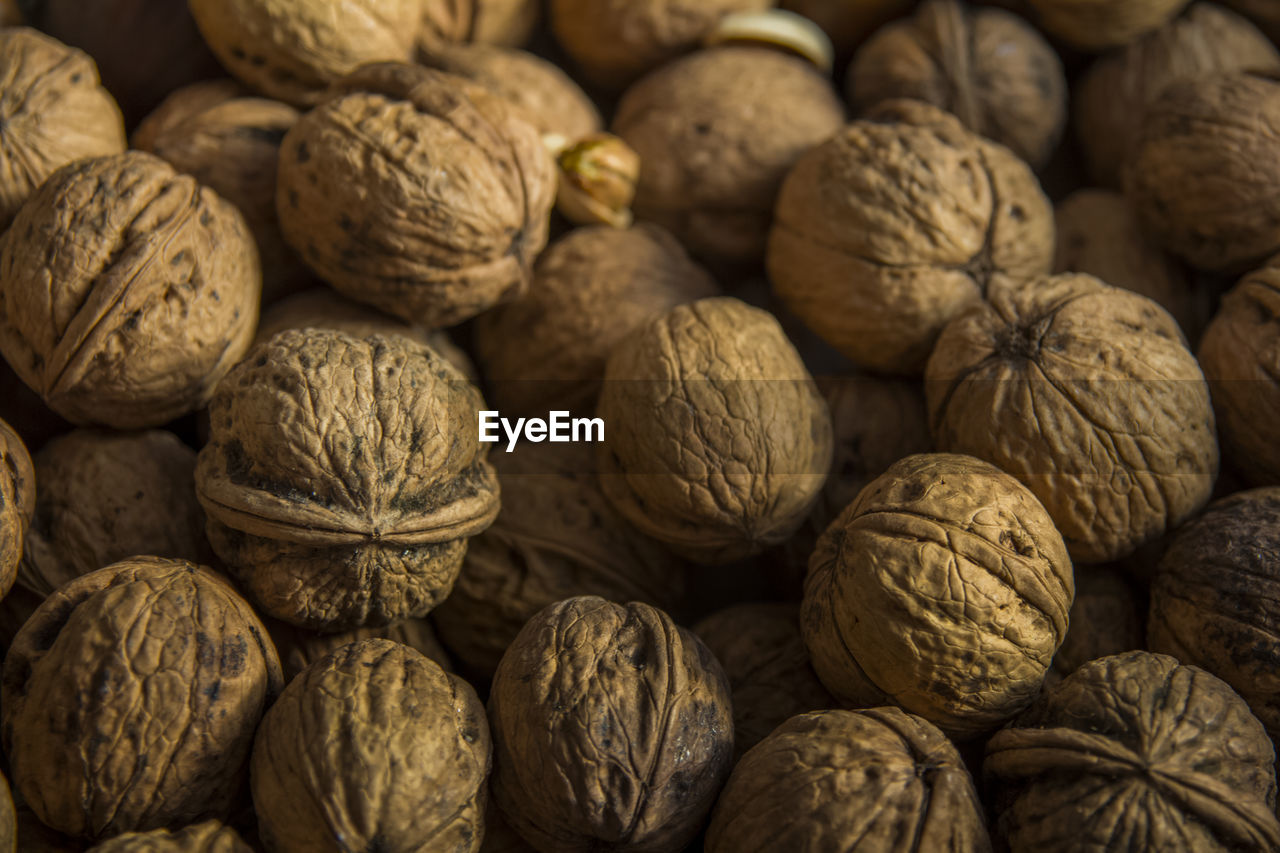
(988, 67)
(105, 496)
(555, 538)
(10, 13)
(208, 837)
(1104, 620)
(1116, 90)
(126, 291)
(1240, 354)
(1101, 24)
(8, 819)
(54, 112)
(1264, 13)
(1201, 174)
(300, 648)
(717, 441)
(353, 201)
(38, 838)
(870, 780)
(848, 24)
(499, 837)
(613, 42)
(343, 477)
(131, 696)
(612, 729)
(1088, 394)
(764, 656)
(1214, 601)
(716, 132)
(591, 288)
(407, 773)
(17, 503)
(230, 142)
(944, 589)
(888, 231)
(1132, 753)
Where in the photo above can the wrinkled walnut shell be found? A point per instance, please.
(1101, 24)
(17, 503)
(208, 837)
(300, 648)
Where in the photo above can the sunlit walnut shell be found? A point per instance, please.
(208, 837)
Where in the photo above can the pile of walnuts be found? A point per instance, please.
(646, 426)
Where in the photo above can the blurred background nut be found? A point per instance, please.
(343, 477)
(849, 780)
(898, 224)
(17, 503)
(300, 648)
(1104, 620)
(612, 728)
(108, 730)
(1100, 24)
(847, 23)
(594, 286)
(987, 66)
(10, 13)
(126, 291)
(1120, 444)
(944, 589)
(408, 772)
(1264, 13)
(208, 837)
(435, 251)
(1135, 751)
(718, 441)
(54, 112)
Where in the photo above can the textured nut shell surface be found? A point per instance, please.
(17, 503)
(131, 696)
(1104, 619)
(944, 589)
(126, 291)
(1130, 753)
(300, 648)
(418, 192)
(208, 837)
(717, 440)
(1102, 24)
(850, 780)
(54, 112)
(987, 66)
(373, 747)
(717, 132)
(1088, 394)
(896, 225)
(504, 23)
(612, 729)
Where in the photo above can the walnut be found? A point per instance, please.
(612, 729)
(1240, 354)
(230, 142)
(848, 24)
(435, 251)
(897, 225)
(1104, 620)
(17, 503)
(555, 538)
(407, 773)
(717, 441)
(593, 287)
(1264, 13)
(299, 648)
(764, 656)
(126, 291)
(208, 837)
(1116, 90)
(1102, 24)
(1202, 174)
(1134, 752)
(130, 698)
(8, 819)
(988, 67)
(944, 589)
(877, 779)
(716, 132)
(54, 112)
(343, 477)
(1087, 394)
(38, 838)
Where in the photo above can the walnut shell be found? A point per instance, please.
(612, 729)
(765, 659)
(208, 837)
(1240, 354)
(126, 291)
(131, 696)
(1202, 174)
(717, 132)
(1116, 90)
(54, 112)
(105, 496)
(1102, 24)
(17, 503)
(1088, 395)
(547, 350)
(555, 538)
(299, 648)
(717, 441)
(1264, 13)
(848, 24)
(850, 780)
(897, 225)
(613, 42)
(944, 589)
(407, 773)
(988, 67)
(1134, 752)
(1104, 620)
(38, 838)
(435, 251)
(8, 819)
(343, 477)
